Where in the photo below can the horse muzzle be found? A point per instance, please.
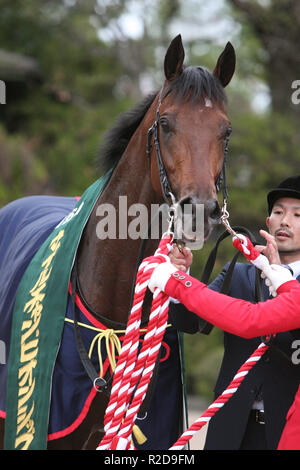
(194, 220)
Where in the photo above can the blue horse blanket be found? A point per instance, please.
(24, 225)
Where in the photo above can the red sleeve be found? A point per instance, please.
(237, 316)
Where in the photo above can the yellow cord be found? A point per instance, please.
(113, 345)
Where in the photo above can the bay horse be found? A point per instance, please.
(189, 128)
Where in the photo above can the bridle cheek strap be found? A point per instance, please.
(222, 176)
(164, 182)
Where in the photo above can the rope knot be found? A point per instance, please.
(112, 344)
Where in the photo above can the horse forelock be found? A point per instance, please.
(194, 83)
(197, 84)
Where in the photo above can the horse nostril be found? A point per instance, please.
(188, 200)
(212, 209)
(192, 212)
(198, 212)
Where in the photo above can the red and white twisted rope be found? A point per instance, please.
(134, 370)
(243, 244)
(222, 399)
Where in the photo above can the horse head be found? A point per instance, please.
(191, 131)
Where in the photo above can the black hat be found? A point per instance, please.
(290, 187)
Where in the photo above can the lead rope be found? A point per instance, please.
(222, 399)
(134, 370)
(242, 243)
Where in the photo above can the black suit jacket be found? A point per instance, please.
(274, 375)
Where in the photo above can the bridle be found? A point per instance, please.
(163, 177)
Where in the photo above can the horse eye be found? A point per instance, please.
(228, 132)
(164, 124)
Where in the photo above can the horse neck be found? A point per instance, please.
(106, 267)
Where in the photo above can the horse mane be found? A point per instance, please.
(118, 137)
(194, 83)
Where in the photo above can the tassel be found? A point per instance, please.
(138, 434)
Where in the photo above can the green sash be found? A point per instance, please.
(38, 321)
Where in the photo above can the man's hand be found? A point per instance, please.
(181, 260)
(270, 250)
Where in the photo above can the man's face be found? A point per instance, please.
(284, 225)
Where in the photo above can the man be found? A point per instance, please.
(255, 416)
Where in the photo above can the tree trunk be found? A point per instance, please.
(277, 26)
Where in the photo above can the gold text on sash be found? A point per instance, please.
(33, 310)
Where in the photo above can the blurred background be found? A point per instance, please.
(72, 66)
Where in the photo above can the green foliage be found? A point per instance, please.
(264, 149)
(53, 123)
(62, 116)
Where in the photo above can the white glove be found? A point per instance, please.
(160, 276)
(275, 276)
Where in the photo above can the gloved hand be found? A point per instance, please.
(275, 276)
(242, 243)
(160, 276)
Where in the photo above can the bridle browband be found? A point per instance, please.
(163, 177)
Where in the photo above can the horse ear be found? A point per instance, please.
(174, 59)
(225, 67)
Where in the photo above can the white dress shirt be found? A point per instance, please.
(295, 266)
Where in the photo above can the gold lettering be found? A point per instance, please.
(29, 350)
(26, 420)
(37, 298)
(36, 313)
(26, 355)
(25, 373)
(26, 324)
(26, 397)
(41, 282)
(55, 244)
(30, 331)
(46, 263)
(23, 390)
(27, 438)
